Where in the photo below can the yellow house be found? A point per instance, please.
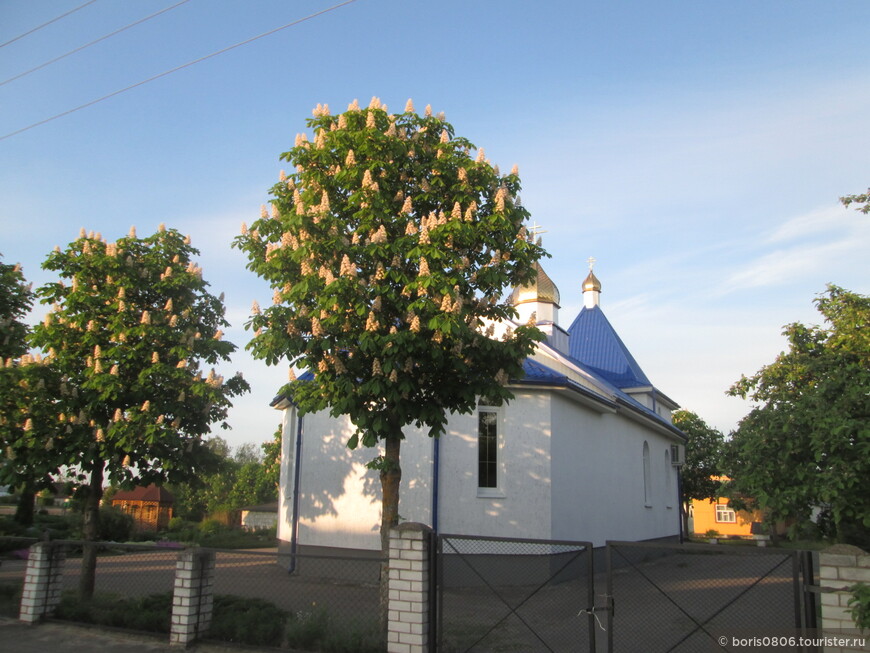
(718, 516)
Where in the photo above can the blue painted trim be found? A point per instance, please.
(294, 528)
(436, 463)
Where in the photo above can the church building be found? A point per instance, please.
(585, 451)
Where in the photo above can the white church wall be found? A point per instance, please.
(598, 478)
(519, 506)
(340, 498)
(286, 489)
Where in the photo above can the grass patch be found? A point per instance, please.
(150, 613)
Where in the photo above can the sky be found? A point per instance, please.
(696, 150)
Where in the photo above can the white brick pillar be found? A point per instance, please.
(42, 581)
(840, 567)
(408, 616)
(192, 597)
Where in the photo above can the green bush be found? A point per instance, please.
(115, 525)
(10, 599)
(247, 621)
(58, 527)
(318, 631)
(859, 605)
(236, 538)
(151, 613)
(211, 526)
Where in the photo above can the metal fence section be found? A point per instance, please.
(323, 597)
(123, 570)
(346, 587)
(133, 585)
(666, 597)
(496, 594)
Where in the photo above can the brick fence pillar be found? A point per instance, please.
(42, 581)
(192, 597)
(408, 628)
(840, 567)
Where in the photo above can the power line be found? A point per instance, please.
(87, 45)
(53, 20)
(176, 69)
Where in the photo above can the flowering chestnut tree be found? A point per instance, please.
(16, 298)
(389, 248)
(25, 387)
(131, 335)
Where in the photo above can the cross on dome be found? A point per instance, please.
(535, 231)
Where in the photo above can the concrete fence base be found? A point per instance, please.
(193, 597)
(841, 567)
(408, 617)
(43, 582)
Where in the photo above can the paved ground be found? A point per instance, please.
(52, 637)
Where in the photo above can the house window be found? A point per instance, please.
(724, 514)
(487, 449)
(647, 481)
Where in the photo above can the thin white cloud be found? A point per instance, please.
(822, 221)
(788, 264)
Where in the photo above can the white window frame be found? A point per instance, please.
(726, 511)
(496, 492)
(647, 477)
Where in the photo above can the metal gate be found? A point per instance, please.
(496, 594)
(697, 597)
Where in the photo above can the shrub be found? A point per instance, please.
(859, 605)
(10, 599)
(247, 621)
(115, 525)
(318, 631)
(211, 526)
(150, 613)
(235, 538)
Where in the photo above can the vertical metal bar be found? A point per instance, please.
(433, 590)
(590, 596)
(798, 590)
(440, 608)
(810, 611)
(609, 602)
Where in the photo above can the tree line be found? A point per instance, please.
(802, 453)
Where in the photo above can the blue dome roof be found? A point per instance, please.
(593, 342)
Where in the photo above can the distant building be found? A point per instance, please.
(264, 515)
(708, 516)
(150, 507)
(585, 451)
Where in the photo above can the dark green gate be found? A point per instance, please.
(497, 594)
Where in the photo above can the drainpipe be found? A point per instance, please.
(680, 501)
(294, 528)
(436, 464)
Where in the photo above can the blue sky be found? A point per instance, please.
(695, 149)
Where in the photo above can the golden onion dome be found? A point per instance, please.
(591, 283)
(541, 289)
